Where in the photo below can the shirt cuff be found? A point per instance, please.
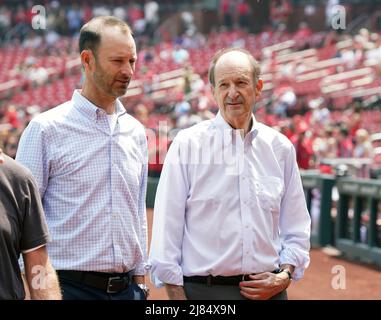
(169, 274)
(296, 257)
(141, 269)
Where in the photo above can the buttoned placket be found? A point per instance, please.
(114, 215)
(244, 196)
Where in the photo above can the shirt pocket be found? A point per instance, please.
(270, 191)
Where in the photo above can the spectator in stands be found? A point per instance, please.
(320, 114)
(279, 12)
(206, 241)
(344, 143)
(151, 16)
(23, 230)
(363, 146)
(142, 114)
(180, 55)
(243, 10)
(226, 11)
(363, 149)
(89, 158)
(74, 19)
(324, 145)
(303, 36)
(303, 147)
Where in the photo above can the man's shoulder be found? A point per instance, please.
(15, 172)
(133, 123)
(272, 136)
(54, 115)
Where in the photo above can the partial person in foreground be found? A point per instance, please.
(230, 218)
(23, 230)
(89, 158)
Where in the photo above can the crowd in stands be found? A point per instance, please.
(322, 89)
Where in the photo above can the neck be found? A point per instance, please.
(243, 125)
(102, 101)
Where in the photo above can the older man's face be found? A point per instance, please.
(235, 91)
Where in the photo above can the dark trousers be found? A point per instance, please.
(74, 290)
(200, 291)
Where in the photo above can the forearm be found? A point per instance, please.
(40, 276)
(44, 285)
(175, 292)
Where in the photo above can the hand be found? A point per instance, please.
(263, 286)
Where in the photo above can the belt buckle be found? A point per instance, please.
(109, 284)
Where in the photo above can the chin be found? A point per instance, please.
(236, 113)
(120, 93)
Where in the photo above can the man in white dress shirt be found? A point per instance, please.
(230, 218)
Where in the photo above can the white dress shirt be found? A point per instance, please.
(228, 206)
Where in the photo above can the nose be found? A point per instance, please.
(233, 93)
(127, 70)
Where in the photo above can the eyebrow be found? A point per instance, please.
(241, 78)
(122, 57)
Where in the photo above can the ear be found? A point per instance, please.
(212, 89)
(87, 58)
(258, 88)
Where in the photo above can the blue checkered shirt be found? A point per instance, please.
(93, 185)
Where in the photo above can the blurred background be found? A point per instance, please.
(321, 66)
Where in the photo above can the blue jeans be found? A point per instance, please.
(73, 290)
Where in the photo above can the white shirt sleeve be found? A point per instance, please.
(295, 222)
(169, 220)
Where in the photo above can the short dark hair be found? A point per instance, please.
(254, 63)
(90, 34)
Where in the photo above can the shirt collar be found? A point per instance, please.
(90, 110)
(225, 127)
